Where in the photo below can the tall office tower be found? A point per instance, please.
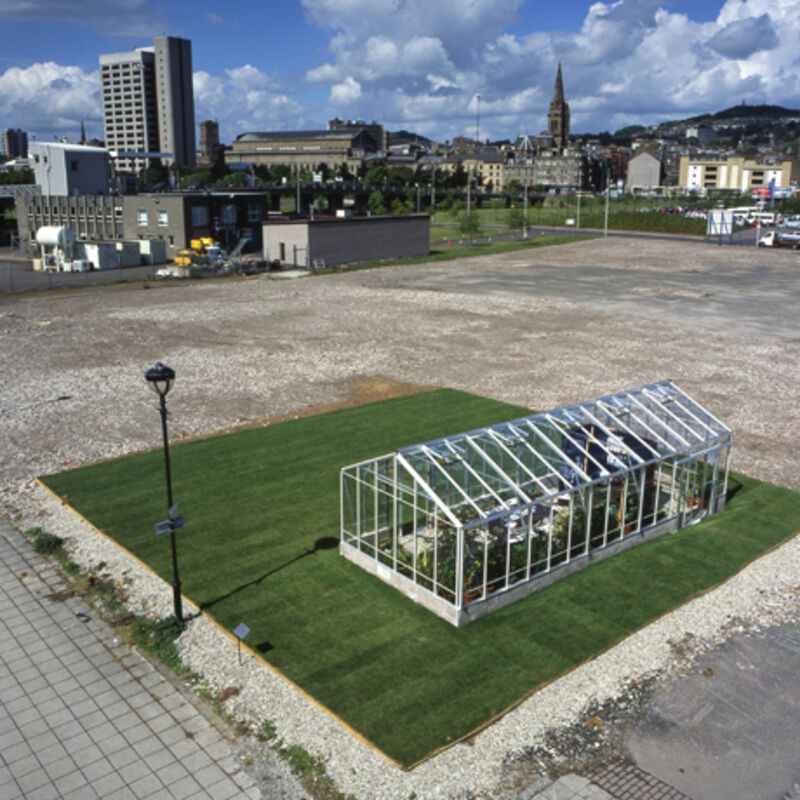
(130, 116)
(175, 99)
(148, 102)
(15, 143)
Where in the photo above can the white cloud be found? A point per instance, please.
(50, 99)
(419, 63)
(245, 99)
(215, 19)
(346, 92)
(326, 73)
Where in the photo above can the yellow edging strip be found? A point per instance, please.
(541, 686)
(471, 733)
(219, 627)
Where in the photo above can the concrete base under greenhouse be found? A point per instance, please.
(480, 608)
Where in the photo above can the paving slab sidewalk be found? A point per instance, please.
(82, 715)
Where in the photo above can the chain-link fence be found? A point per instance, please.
(17, 276)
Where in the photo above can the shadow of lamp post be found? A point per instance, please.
(161, 377)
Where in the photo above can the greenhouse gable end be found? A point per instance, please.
(469, 523)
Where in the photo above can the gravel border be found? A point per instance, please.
(475, 766)
(247, 350)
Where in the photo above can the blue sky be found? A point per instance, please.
(414, 64)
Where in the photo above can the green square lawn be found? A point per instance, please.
(257, 501)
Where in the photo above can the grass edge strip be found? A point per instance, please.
(352, 731)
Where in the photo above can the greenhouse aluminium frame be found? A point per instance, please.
(468, 523)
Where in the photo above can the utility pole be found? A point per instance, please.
(478, 122)
(469, 182)
(605, 224)
(525, 209)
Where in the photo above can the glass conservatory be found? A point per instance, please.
(468, 523)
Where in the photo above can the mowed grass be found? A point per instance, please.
(257, 501)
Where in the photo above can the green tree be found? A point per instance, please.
(515, 218)
(469, 223)
(277, 172)
(321, 203)
(375, 202)
(399, 208)
(374, 176)
(343, 172)
(10, 177)
(231, 180)
(198, 176)
(456, 206)
(400, 176)
(156, 173)
(513, 189)
(459, 177)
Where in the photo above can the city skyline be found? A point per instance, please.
(409, 64)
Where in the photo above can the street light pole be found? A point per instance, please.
(160, 377)
(525, 207)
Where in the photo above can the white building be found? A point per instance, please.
(63, 170)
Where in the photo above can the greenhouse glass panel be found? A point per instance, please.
(468, 523)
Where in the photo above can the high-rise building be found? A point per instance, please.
(130, 116)
(15, 143)
(175, 99)
(148, 102)
(558, 118)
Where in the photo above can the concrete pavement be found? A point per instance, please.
(84, 716)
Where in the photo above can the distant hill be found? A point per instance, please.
(406, 137)
(739, 112)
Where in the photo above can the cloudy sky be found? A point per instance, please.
(414, 64)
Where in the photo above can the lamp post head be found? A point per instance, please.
(160, 377)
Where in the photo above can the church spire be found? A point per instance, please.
(558, 92)
(558, 118)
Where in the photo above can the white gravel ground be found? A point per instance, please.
(248, 350)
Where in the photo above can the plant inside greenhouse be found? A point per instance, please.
(468, 523)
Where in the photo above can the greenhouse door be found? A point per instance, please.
(691, 480)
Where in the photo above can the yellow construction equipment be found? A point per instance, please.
(202, 251)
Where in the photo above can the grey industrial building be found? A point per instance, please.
(174, 218)
(148, 102)
(345, 240)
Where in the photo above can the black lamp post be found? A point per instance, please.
(160, 377)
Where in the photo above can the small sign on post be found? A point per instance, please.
(240, 631)
(168, 524)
